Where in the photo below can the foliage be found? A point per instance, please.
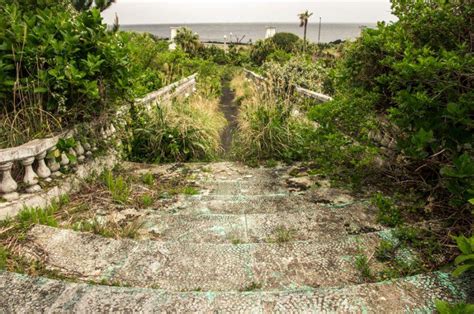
(3, 257)
(187, 40)
(297, 71)
(57, 62)
(118, 187)
(145, 66)
(148, 179)
(465, 261)
(43, 216)
(285, 41)
(146, 200)
(420, 69)
(181, 131)
(388, 213)
(459, 308)
(362, 265)
(268, 130)
(82, 5)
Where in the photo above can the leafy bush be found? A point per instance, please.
(61, 65)
(420, 69)
(285, 41)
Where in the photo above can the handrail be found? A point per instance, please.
(170, 91)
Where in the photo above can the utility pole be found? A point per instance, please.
(319, 32)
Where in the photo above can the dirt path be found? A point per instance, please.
(230, 110)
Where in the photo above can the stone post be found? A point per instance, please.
(42, 170)
(80, 152)
(53, 165)
(30, 178)
(64, 161)
(8, 186)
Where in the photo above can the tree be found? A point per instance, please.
(83, 5)
(285, 41)
(304, 17)
(187, 40)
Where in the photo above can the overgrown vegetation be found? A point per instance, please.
(185, 130)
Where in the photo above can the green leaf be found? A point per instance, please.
(464, 244)
(462, 258)
(461, 269)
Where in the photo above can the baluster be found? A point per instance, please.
(80, 152)
(43, 171)
(30, 178)
(87, 148)
(72, 161)
(64, 161)
(8, 186)
(53, 165)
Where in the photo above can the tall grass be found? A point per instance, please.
(183, 130)
(268, 125)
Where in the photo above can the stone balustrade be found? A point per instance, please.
(184, 87)
(299, 90)
(41, 160)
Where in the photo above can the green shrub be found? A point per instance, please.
(420, 69)
(285, 41)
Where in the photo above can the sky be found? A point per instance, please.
(246, 11)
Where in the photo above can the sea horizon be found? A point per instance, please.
(246, 32)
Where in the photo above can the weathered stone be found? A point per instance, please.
(30, 178)
(8, 186)
(300, 183)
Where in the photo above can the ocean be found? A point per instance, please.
(254, 31)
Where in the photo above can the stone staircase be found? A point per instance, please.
(252, 240)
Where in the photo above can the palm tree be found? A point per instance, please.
(83, 5)
(304, 17)
(187, 40)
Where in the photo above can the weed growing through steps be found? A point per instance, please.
(189, 190)
(13, 232)
(30, 216)
(3, 257)
(362, 265)
(110, 229)
(148, 179)
(252, 287)
(388, 213)
(282, 234)
(146, 200)
(118, 187)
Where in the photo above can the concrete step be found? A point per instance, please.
(181, 266)
(313, 223)
(23, 294)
